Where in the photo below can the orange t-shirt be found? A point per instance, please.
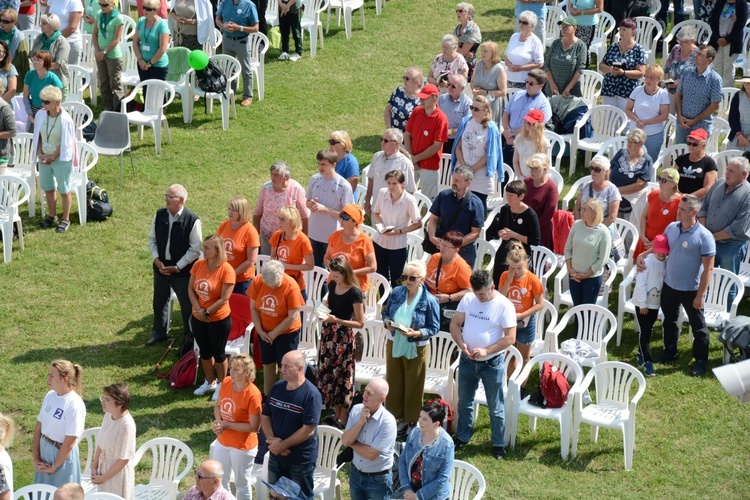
(236, 243)
(207, 286)
(354, 253)
(237, 407)
(292, 252)
(522, 291)
(274, 304)
(454, 277)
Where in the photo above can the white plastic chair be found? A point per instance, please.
(26, 166)
(13, 192)
(347, 6)
(596, 326)
(88, 62)
(668, 156)
(572, 193)
(158, 95)
(591, 86)
(545, 319)
(87, 159)
(551, 28)
(669, 131)
(181, 84)
(129, 75)
(557, 143)
(610, 147)
(372, 365)
(315, 280)
(607, 122)
(562, 291)
(376, 295)
(544, 263)
(326, 484)
(101, 495)
(112, 137)
(604, 27)
(744, 275)
(35, 492)
(258, 44)
(654, 8)
(81, 114)
(79, 81)
(647, 34)
(719, 139)
(414, 249)
(228, 99)
(438, 378)
(310, 334)
(423, 204)
(311, 23)
(272, 13)
(557, 178)
(465, 479)
(129, 26)
(716, 301)
(722, 158)
(498, 198)
(487, 223)
(614, 408)
(563, 415)
(703, 34)
(484, 249)
(627, 231)
(743, 61)
(30, 36)
(213, 42)
(446, 172)
(88, 437)
(167, 469)
(369, 231)
(726, 99)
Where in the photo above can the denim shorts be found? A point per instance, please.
(526, 335)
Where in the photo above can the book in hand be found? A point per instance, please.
(617, 64)
(322, 312)
(380, 228)
(396, 326)
(668, 81)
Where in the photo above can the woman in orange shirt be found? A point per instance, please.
(292, 247)
(525, 291)
(237, 419)
(241, 242)
(448, 275)
(211, 284)
(352, 244)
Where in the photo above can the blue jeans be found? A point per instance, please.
(469, 254)
(585, 292)
(302, 474)
(491, 374)
(729, 256)
(654, 143)
(370, 487)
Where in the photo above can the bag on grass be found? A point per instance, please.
(184, 372)
(554, 386)
(98, 207)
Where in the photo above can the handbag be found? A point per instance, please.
(427, 245)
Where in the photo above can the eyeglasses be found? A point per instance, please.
(333, 142)
(104, 400)
(524, 22)
(170, 196)
(387, 140)
(693, 144)
(633, 141)
(453, 86)
(149, 9)
(344, 217)
(45, 102)
(200, 476)
(531, 83)
(406, 78)
(595, 169)
(409, 278)
(6, 21)
(474, 108)
(664, 180)
(460, 11)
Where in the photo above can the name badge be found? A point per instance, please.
(239, 11)
(146, 47)
(48, 146)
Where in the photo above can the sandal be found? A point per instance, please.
(48, 222)
(63, 226)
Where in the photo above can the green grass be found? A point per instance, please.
(86, 295)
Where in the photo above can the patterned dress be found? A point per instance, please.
(336, 357)
(622, 86)
(117, 441)
(401, 108)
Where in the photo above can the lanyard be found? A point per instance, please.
(47, 128)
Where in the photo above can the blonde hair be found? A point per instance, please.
(294, 217)
(218, 242)
(418, 266)
(517, 255)
(484, 102)
(245, 361)
(595, 205)
(343, 137)
(152, 4)
(540, 160)
(537, 137)
(7, 430)
(655, 69)
(514, 244)
(494, 50)
(72, 372)
(240, 205)
(51, 93)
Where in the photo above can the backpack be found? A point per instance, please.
(98, 207)
(211, 78)
(184, 372)
(448, 422)
(554, 386)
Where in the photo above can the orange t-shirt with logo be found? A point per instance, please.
(454, 277)
(236, 243)
(292, 252)
(237, 407)
(274, 304)
(207, 286)
(522, 291)
(354, 253)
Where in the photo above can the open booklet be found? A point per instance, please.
(383, 229)
(397, 326)
(321, 311)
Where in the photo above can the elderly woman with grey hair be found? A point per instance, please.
(53, 41)
(278, 327)
(468, 34)
(525, 51)
(280, 191)
(600, 188)
(448, 62)
(681, 56)
(403, 100)
(631, 171)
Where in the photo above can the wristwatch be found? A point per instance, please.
(206, 313)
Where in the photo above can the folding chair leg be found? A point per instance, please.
(130, 152)
(121, 153)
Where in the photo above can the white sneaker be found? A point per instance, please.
(205, 387)
(284, 56)
(295, 57)
(216, 393)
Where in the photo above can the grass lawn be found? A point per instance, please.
(86, 295)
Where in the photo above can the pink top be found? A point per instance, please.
(269, 203)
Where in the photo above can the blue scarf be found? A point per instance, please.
(401, 345)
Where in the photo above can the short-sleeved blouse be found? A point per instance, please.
(622, 86)
(469, 34)
(401, 108)
(523, 52)
(563, 64)
(673, 67)
(269, 202)
(455, 65)
(342, 306)
(606, 195)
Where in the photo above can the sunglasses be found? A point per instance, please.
(409, 278)
(693, 144)
(333, 142)
(595, 169)
(151, 9)
(5, 21)
(460, 11)
(664, 180)
(387, 140)
(453, 86)
(474, 108)
(45, 102)
(524, 22)
(531, 83)
(344, 217)
(200, 476)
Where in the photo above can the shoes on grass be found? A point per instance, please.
(295, 57)
(204, 388)
(216, 393)
(699, 369)
(284, 56)
(648, 369)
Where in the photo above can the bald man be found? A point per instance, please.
(69, 491)
(208, 483)
(371, 432)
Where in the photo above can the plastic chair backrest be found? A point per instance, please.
(374, 340)
(573, 191)
(113, 131)
(604, 27)
(257, 46)
(88, 157)
(594, 322)
(544, 263)
(14, 191)
(615, 383)
(315, 280)
(612, 146)
(557, 178)
(35, 492)
(79, 80)
(81, 114)
(329, 446)
(591, 86)
(168, 454)
(442, 351)
(717, 295)
(25, 157)
(557, 143)
(128, 27)
(89, 436)
(721, 160)
(466, 478)
(158, 95)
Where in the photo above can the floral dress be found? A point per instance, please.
(622, 86)
(401, 108)
(673, 67)
(336, 356)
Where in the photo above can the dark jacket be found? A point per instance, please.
(179, 240)
(735, 123)
(735, 36)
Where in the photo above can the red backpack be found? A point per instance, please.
(554, 386)
(184, 372)
(448, 422)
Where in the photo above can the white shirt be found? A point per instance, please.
(334, 194)
(62, 416)
(381, 164)
(6, 473)
(63, 8)
(400, 214)
(648, 106)
(485, 321)
(521, 53)
(196, 238)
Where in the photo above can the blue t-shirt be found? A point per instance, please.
(348, 166)
(4, 75)
(243, 13)
(150, 40)
(289, 411)
(36, 85)
(445, 206)
(686, 252)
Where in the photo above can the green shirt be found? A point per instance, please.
(91, 8)
(106, 35)
(149, 38)
(36, 85)
(588, 247)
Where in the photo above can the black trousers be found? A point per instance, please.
(671, 300)
(646, 323)
(163, 286)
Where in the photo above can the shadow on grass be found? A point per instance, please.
(368, 143)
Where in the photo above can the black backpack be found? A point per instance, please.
(98, 206)
(211, 78)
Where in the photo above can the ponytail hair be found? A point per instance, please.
(516, 255)
(7, 430)
(72, 372)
